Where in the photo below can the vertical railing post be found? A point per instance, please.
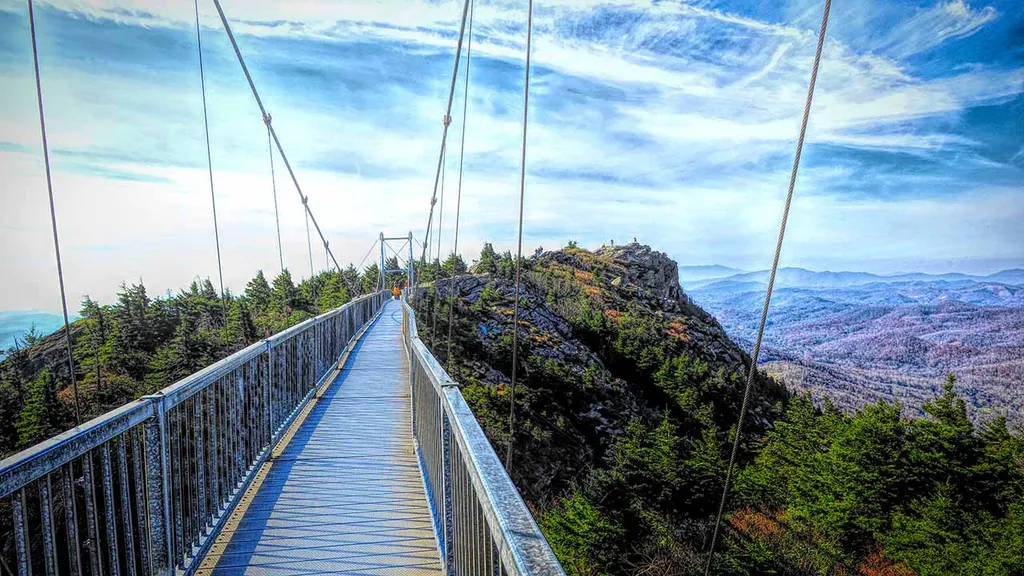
(158, 488)
(268, 396)
(446, 483)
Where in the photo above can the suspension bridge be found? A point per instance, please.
(339, 445)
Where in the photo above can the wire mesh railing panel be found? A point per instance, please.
(428, 424)
(483, 525)
(143, 489)
(85, 512)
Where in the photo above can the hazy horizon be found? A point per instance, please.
(73, 304)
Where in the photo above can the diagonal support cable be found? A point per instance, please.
(458, 196)
(312, 272)
(273, 133)
(751, 373)
(209, 165)
(444, 134)
(437, 261)
(273, 186)
(519, 249)
(53, 213)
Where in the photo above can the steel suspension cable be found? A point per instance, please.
(444, 134)
(368, 252)
(273, 187)
(273, 133)
(312, 273)
(519, 249)
(458, 195)
(437, 261)
(209, 164)
(752, 372)
(53, 214)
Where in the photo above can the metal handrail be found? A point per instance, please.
(483, 524)
(158, 476)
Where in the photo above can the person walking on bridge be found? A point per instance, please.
(395, 292)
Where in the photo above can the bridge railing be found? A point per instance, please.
(141, 489)
(483, 525)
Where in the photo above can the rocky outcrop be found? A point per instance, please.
(649, 269)
(594, 328)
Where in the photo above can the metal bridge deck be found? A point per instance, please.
(346, 494)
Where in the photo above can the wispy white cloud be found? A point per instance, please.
(669, 121)
(934, 25)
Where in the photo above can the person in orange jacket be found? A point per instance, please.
(395, 292)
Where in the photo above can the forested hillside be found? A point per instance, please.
(625, 409)
(626, 406)
(141, 344)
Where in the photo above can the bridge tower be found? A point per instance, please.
(394, 246)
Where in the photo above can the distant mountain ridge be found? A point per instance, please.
(16, 324)
(804, 278)
(707, 272)
(857, 337)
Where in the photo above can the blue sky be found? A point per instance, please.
(674, 122)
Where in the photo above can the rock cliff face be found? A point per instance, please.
(606, 338)
(646, 268)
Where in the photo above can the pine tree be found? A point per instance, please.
(393, 278)
(240, 330)
(371, 278)
(132, 334)
(488, 262)
(453, 265)
(284, 294)
(257, 291)
(96, 340)
(350, 279)
(35, 422)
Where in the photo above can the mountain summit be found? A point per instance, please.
(608, 340)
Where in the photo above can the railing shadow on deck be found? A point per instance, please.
(271, 514)
(144, 488)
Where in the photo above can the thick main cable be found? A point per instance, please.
(751, 373)
(519, 249)
(209, 165)
(53, 214)
(273, 133)
(458, 196)
(444, 134)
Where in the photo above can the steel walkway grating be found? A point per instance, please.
(346, 494)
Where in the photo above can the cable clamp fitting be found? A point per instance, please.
(305, 200)
(447, 120)
(267, 119)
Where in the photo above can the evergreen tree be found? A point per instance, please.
(453, 266)
(241, 330)
(350, 279)
(506, 265)
(38, 416)
(333, 292)
(284, 295)
(95, 342)
(393, 278)
(257, 291)
(371, 279)
(488, 262)
(132, 336)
